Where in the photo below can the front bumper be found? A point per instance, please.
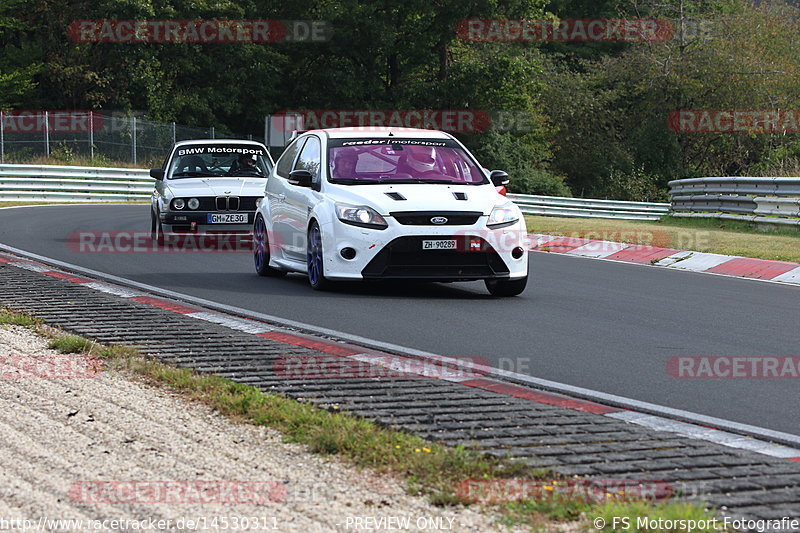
(404, 258)
(196, 223)
(397, 252)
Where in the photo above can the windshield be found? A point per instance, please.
(220, 160)
(371, 161)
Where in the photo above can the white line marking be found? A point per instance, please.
(712, 435)
(240, 324)
(598, 249)
(30, 266)
(674, 258)
(700, 261)
(113, 289)
(793, 276)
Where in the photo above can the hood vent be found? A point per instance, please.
(395, 196)
(460, 195)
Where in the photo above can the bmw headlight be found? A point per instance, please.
(360, 215)
(503, 215)
(178, 204)
(194, 203)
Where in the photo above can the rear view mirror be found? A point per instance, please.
(300, 178)
(499, 178)
(157, 173)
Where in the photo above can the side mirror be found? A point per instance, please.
(157, 173)
(499, 178)
(300, 178)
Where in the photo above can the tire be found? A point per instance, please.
(315, 259)
(156, 231)
(506, 287)
(261, 250)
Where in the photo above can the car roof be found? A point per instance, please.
(218, 141)
(367, 132)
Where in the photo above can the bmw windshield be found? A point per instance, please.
(220, 160)
(375, 161)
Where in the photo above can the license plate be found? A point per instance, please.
(449, 244)
(227, 218)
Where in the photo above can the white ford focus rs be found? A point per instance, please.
(393, 203)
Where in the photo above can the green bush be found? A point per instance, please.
(537, 181)
(63, 152)
(635, 186)
(525, 158)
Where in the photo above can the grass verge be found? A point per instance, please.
(78, 161)
(429, 469)
(701, 235)
(12, 318)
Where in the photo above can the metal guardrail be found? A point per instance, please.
(53, 183)
(587, 208)
(56, 183)
(760, 200)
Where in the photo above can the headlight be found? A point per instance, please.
(360, 215)
(178, 204)
(503, 215)
(194, 203)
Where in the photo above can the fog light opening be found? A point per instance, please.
(517, 252)
(348, 253)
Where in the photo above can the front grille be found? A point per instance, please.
(423, 218)
(405, 258)
(223, 203)
(228, 203)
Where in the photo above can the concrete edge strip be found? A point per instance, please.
(657, 417)
(782, 272)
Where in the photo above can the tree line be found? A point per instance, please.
(592, 117)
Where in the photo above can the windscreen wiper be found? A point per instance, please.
(193, 174)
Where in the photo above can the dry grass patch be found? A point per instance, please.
(700, 235)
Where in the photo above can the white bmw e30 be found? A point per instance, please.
(388, 203)
(208, 187)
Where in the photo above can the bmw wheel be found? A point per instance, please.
(261, 250)
(316, 271)
(506, 287)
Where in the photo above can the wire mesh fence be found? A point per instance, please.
(68, 136)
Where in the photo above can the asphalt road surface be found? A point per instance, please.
(605, 326)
